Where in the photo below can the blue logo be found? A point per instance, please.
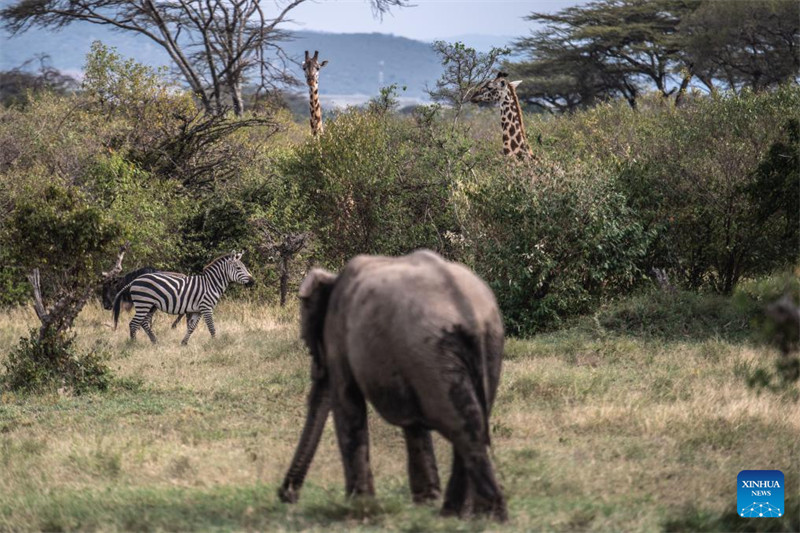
(759, 494)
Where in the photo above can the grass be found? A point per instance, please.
(598, 427)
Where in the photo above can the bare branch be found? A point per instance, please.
(38, 305)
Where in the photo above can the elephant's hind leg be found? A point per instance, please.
(350, 418)
(457, 501)
(423, 475)
(472, 487)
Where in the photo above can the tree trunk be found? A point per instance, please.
(283, 269)
(236, 98)
(682, 89)
(64, 312)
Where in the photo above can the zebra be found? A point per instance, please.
(174, 293)
(113, 287)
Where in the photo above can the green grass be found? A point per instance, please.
(615, 424)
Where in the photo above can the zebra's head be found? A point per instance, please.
(236, 270)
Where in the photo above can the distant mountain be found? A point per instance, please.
(359, 63)
(362, 63)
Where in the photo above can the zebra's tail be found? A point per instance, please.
(125, 291)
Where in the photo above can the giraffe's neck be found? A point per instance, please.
(315, 108)
(515, 142)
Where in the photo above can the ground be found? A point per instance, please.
(593, 430)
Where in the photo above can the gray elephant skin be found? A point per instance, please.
(421, 339)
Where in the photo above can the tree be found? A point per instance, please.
(280, 248)
(163, 129)
(464, 70)
(59, 231)
(565, 77)
(620, 48)
(215, 44)
(15, 83)
(605, 49)
(743, 44)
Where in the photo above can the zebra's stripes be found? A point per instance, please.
(194, 296)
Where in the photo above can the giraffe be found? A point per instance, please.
(311, 67)
(515, 142)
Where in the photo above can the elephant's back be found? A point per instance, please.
(419, 286)
(397, 313)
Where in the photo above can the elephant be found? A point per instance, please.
(421, 339)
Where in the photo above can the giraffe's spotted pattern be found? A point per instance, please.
(312, 66)
(501, 90)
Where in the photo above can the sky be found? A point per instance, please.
(428, 19)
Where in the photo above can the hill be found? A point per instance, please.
(360, 63)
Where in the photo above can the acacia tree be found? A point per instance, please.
(464, 70)
(602, 50)
(564, 76)
(17, 82)
(753, 44)
(620, 48)
(215, 44)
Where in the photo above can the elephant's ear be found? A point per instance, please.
(315, 291)
(314, 281)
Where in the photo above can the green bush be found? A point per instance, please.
(14, 289)
(219, 226)
(551, 243)
(375, 183)
(680, 315)
(52, 362)
(775, 197)
(58, 230)
(699, 178)
(705, 191)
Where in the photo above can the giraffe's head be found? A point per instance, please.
(493, 91)
(311, 67)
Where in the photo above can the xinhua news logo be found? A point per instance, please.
(759, 494)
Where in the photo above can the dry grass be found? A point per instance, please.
(592, 431)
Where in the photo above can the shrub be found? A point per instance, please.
(38, 364)
(680, 315)
(374, 183)
(57, 229)
(697, 178)
(14, 289)
(551, 243)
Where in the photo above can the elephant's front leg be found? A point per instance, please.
(423, 475)
(350, 417)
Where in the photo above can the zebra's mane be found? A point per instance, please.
(216, 260)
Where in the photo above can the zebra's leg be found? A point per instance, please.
(177, 321)
(208, 315)
(147, 324)
(191, 322)
(138, 319)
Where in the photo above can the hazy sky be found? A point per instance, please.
(428, 20)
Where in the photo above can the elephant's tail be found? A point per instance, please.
(472, 352)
